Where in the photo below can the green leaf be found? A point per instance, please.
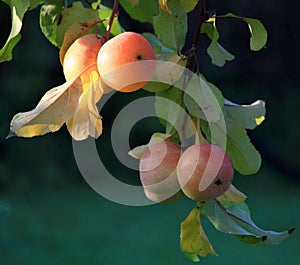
(143, 11)
(74, 14)
(203, 100)
(96, 5)
(171, 28)
(105, 12)
(193, 240)
(50, 14)
(158, 47)
(245, 158)
(189, 5)
(55, 20)
(79, 29)
(35, 3)
(235, 219)
(18, 9)
(258, 32)
(168, 73)
(169, 108)
(246, 116)
(217, 53)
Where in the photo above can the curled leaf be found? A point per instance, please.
(86, 120)
(138, 151)
(73, 103)
(18, 9)
(233, 195)
(246, 116)
(193, 240)
(258, 32)
(218, 54)
(235, 219)
(54, 109)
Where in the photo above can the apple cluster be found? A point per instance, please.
(202, 172)
(114, 61)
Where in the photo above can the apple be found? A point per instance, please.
(158, 172)
(126, 62)
(81, 57)
(204, 171)
(81, 54)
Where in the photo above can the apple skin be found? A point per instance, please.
(158, 172)
(116, 62)
(211, 160)
(82, 53)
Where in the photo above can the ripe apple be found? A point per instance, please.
(81, 54)
(204, 171)
(126, 62)
(158, 172)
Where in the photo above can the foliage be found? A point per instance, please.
(210, 112)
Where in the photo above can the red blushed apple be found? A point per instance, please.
(204, 171)
(158, 172)
(126, 62)
(82, 53)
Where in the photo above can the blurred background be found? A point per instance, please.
(49, 214)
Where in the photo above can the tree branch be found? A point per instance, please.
(197, 31)
(191, 62)
(111, 20)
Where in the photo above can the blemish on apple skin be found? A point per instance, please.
(139, 57)
(219, 182)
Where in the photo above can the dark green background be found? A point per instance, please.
(54, 217)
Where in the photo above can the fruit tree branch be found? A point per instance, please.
(111, 20)
(199, 20)
(191, 62)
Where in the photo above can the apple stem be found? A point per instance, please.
(199, 136)
(111, 20)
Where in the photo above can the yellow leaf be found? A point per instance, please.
(233, 195)
(163, 4)
(86, 120)
(56, 107)
(193, 238)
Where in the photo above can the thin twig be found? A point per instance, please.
(192, 52)
(191, 61)
(111, 20)
(88, 2)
